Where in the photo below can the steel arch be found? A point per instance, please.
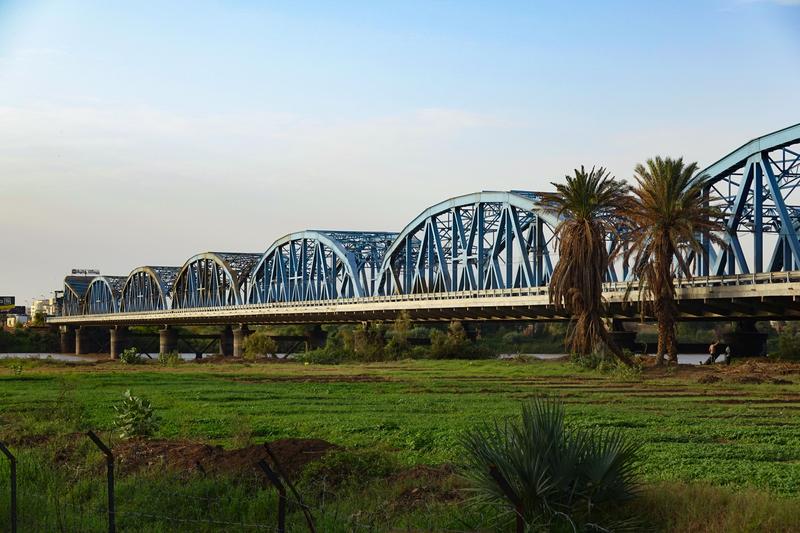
(103, 294)
(212, 279)
(756, 187)
(485, 240)
(147, 288)
(319, 265)
(74, 294)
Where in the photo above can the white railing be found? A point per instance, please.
(608, 289)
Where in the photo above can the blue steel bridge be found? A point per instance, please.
(482, 256)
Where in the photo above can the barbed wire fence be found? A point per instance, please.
(34, 501)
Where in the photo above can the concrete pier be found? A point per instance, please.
(167, 340)
(239, 336)
(66, 337)
(119, 337)
(226, 341)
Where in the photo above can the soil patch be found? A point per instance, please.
(709, 378)
(423, 485)
(187, 456)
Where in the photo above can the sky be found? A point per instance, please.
(142, 133)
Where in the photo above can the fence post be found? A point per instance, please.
(282, 472)
(110, 474)
(276, 481)
(519, 508)
(12, 461)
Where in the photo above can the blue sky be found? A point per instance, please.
(141, 133)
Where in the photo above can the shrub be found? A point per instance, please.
(321, 356)
(399, 333)
(788, 346)
(514, 338)
(131, 356)
(134, 417)
(455, 345)
(172, 358)
(259, 344)
(555, 472)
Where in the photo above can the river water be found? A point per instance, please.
(685, 359)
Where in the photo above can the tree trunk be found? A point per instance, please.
(662, 339)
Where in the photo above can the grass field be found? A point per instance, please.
(736, 431)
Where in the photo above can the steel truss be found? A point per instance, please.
(756, 187)
(103, 295)
(319, 265)
(148, 288)
(482, 241)
(74, 293)
(213, 279)
(486, 240)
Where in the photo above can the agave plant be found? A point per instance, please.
(543, 471)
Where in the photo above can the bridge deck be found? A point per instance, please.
(759, 296)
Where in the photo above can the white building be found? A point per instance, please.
(47, 307)
(13, 321)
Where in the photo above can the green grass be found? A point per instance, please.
(722, 434)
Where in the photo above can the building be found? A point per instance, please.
(13, 321)
(47, 307)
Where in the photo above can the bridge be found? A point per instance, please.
(482, 256)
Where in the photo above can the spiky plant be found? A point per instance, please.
(589, 206)
(553, 471)
(667, 217)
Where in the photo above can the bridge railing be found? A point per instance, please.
(608, 289)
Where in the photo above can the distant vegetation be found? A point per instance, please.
(28, 340)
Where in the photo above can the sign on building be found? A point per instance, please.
(7, 302)
(85, 272)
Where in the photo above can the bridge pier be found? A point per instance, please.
(239, 336)
(623, 339)
(119, 336)
(167, 340)
(81, 340)
(745, 340)
(66, 337)
(226, 341)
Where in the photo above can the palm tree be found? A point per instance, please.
(666, 219)
(589, 206)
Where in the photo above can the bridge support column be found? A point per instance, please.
(167, 340)
(745, 340)
(623, 339)
(81, 340)
(239, 335)
(66, 337)
(316, 338)
(119, 336)
(226, 341)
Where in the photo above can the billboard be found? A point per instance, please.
(7, 303)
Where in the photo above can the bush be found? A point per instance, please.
(134, 417)
(398, 344)
(259, 344)
(455, 345)
(788, 346)
(514, 338)
(131, 356)
(321, 356)
(555, 472)
(172, 358)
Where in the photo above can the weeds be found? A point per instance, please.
(134, 417)
(131, 356)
